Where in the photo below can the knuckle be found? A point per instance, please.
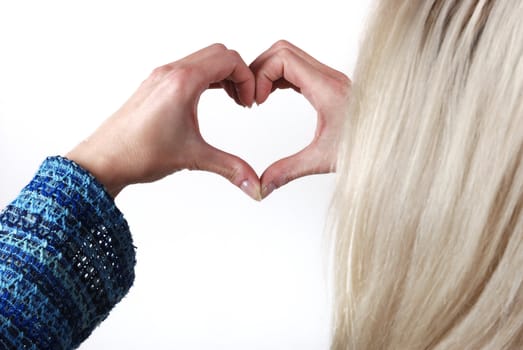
(181, 71)
(159, 72)
(341, 85)
(234, 174)
(282, 44)
(234, 54)
(345, 81)
(178, 77)
(284, 53)
(345, 88)
(218, 46)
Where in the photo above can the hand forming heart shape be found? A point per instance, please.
(156, 132)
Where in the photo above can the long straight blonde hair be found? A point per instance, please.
(428, 224)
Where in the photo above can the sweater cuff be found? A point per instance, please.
(69, 258)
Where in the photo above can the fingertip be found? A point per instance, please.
(248, 101)
(247, 180)
(263, 89)
(260, 100)
(252, 97)
(246, 92)
(251, 189)
(272, 179)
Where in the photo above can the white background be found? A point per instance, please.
(215, 269)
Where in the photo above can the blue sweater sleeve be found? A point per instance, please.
(66, 258)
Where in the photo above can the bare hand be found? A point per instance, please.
(286, 66)
(156, 132)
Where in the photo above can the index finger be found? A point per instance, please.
(226, 64)
(291, 67)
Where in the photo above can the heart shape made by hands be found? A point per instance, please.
(272, 136)
(163, 121)
(261, 135)
(282, 66)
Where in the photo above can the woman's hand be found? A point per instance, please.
(156, 133)
(286, 66)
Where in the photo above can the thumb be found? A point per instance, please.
(308, 161)
(233, 168)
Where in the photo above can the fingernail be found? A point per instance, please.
(251, 190)
(267, 189)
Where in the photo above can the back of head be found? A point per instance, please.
(428, 228)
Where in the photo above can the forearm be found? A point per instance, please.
(66, 258)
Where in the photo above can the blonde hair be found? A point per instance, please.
(428, 228)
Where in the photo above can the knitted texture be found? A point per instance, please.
(66, 258)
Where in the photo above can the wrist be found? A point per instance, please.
(100, 165)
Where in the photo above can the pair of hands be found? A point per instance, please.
(156, 133)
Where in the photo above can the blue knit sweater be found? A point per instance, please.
(66, 258)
